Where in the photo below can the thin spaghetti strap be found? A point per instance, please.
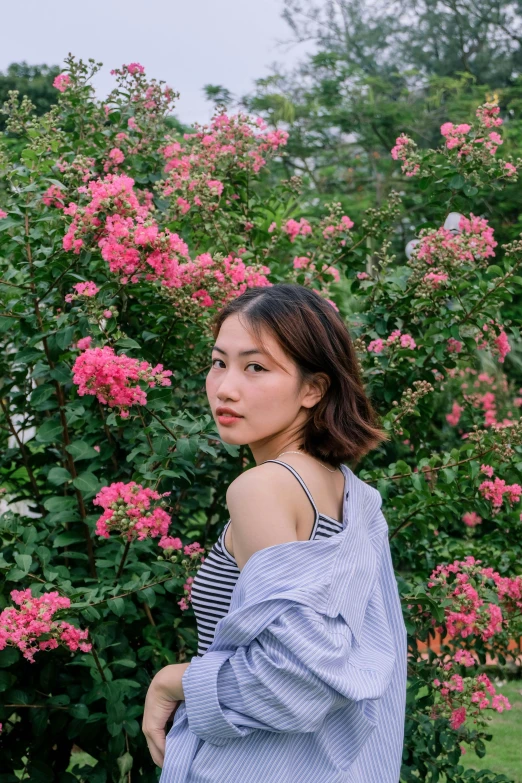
(298, 477)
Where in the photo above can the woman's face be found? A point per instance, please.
(266, 396)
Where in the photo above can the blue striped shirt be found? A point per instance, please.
(305, 680)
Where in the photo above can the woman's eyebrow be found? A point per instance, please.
(241, 353)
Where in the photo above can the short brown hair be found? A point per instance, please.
(342, 426)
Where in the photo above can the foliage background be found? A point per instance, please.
(343, 110)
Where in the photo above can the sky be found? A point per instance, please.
(187, 44)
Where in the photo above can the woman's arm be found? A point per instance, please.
(163, 699)
(167, 681)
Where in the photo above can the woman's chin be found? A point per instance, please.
(228, 437)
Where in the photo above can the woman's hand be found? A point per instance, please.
(160, 704)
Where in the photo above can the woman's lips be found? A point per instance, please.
(227, 418)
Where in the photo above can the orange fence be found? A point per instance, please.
(514, 647)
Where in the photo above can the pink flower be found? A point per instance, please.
(25, 627)
(458, 717)
(301, 262)
(128, 510)
(216, 186)
(83, 289)
(84, 343)
(471, 519)
(500, 702)
(510, 169)
(464, 657)
(62, 81)
(376, 346)
(2, 214)
(183, 205)
(170, 543)
(53, 197)
(113, 379)
(454, 346)
(294, 228)
(134, 68)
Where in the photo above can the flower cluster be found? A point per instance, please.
(406, 150)
(113, 378)
(462, 698)
(396, 337)
(171, 547)
(497, 489)
(338, 232)
(128, 510)
(210, 281)
(494, 337)
(468, 587)
(134, 247)
(197, 168)
(294, 228)
(25, 627)
(83, 289)
(2, 214)
(471, 519)
(62, 81)
(473, 242)
(53, 197)
(478, 144)
(150, 99)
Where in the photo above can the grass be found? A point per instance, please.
(503, 753)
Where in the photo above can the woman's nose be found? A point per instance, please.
(228, 388)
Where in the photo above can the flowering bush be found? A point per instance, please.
(120, 235)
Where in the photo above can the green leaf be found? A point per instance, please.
(8, 656)
(87, 482)
(42, 393)
(6, 680)
(127, 342)
(79, 449)
(61, 373)
(125, 764)
(124, 662)
(49, 432)
(67, 538)
(23, 562)
(28, 356)
(64, 337)
(58, 503)
(469, 189)
(148, 596)
(494, 271)
(158, 399)
(116, 605)
(457, 182)
(449, 475)
(80, 711)
(59, 476)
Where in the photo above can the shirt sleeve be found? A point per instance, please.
(301, 667)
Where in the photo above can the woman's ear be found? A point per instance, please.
(317, 388)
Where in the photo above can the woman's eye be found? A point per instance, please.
(256, 365)
(215, 360)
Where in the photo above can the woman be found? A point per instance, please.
(300, 673)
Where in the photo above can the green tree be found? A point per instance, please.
(35, 81)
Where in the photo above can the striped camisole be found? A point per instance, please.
(216, 577)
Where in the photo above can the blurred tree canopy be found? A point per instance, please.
(380, 69)
(35, 81)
